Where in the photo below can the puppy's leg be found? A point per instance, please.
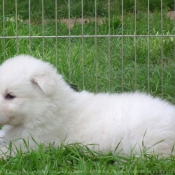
(1, 137)
(5, 151)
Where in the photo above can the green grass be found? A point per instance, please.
(78, 159)
(89, 9)
(144, 65)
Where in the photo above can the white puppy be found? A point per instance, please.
(37, 104)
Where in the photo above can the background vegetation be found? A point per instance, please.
(112, 64)
(90, 7)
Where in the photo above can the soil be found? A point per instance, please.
(171, 15)
(71, 22)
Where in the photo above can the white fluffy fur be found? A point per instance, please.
(48, 110)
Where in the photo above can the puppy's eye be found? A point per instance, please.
(9, 97)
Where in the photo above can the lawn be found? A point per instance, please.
(100, 64)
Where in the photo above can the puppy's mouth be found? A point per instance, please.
(11, 121)
(2, 123)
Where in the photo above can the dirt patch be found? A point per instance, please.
(71, 22)
(171, 15)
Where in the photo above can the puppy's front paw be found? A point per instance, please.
(4, 151)
(1, 137)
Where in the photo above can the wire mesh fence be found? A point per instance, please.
(118, 45)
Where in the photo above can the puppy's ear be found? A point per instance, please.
(44, 83)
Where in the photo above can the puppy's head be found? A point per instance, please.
(26, 86)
